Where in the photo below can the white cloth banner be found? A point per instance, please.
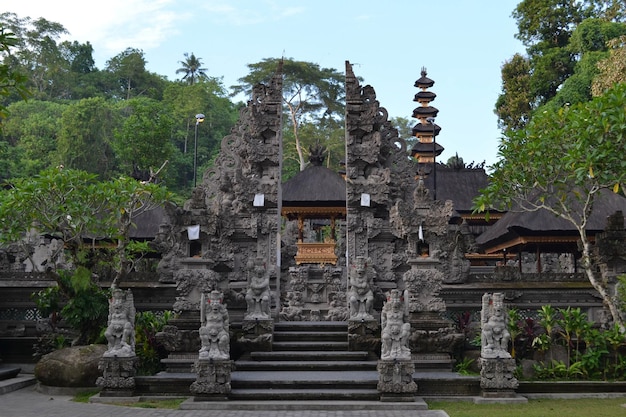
(193, 232)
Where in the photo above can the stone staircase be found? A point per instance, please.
(308, 361)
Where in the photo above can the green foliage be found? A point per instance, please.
(563, 40)
(593, 353)
(464, 366)
(142, 142)
(147, 348)
(10, 79)
(69, 205)
(78, 302)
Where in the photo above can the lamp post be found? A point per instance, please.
(431, 120)
(199, 119)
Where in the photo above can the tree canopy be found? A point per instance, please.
(564, 42)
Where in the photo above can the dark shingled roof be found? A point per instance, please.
(514, 224)
(316, 185)
(147, 223)
(459, 185)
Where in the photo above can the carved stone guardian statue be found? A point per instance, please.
(214, 332)
(258, 295)
(360, 294)
(395, 328)
(214, 366)
(395, 368)
(497, 378)
(495, 336)
(258, 324)
(119, 362)
(362, 326)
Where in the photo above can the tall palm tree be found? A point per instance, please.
(192, 67)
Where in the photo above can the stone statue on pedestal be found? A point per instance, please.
(214, 331)
(258, 295)
(360, 294)
(495, 336)
(120, 332)
(395, 328)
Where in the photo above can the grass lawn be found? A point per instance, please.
(588, 407)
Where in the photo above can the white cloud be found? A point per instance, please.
(112, 25)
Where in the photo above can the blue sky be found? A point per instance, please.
(462, 43)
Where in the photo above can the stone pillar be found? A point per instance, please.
(118, 376)
(258, 334)
(362, 335)
(395, 380)
(497, 378)
(213, 380)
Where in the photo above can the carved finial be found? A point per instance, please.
(424, 73)
(317, 154)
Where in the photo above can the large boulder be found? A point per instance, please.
(70, 367)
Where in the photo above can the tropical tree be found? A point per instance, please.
(11, 80)
(564, 40)
(130, 77)
(142, 141)
(32, 129)
(192, 68)
(310, 94)
(208, 97)
(73, 208)
(562, 162)
(612, 68)
(84, 142)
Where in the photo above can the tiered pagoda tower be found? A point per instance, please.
(426, 150)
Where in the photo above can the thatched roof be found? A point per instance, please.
(147, 223)
(514, 226)
(315, 186)
(459, 185)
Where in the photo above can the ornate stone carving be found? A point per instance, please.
(497, 377)
(118, 376)
(495, 336)
(214, 331)
(212, 379)
(190, 283)
(120, 332)
(395, 380)
(258, 296)
(360, 294)
(423, 281)
(395, 328)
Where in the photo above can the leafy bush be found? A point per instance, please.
(147, 348)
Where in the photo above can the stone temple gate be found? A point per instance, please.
(383, 222)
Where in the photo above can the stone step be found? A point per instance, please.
(417, 408)
(328, 394)
(312, 326)
(288, 355)
(310, 345)
(305, 365)
(286, 336)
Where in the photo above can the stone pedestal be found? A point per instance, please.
(257, 334)
(497, 378)
(118, 376)
(363, 335)
(212, 380)
(395, 380)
